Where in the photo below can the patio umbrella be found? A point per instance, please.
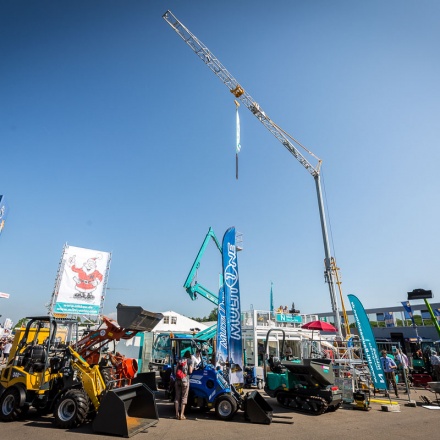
(319, 325)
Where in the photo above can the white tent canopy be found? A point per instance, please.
(175, 322)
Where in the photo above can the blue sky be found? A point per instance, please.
(114, 136)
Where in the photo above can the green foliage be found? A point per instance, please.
(21, 322)
(211, 317)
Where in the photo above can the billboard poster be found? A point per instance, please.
(368, 343)
(233, 308)
(81, 281)
(3, 212)
(389, 319)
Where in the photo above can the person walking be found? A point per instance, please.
(389, 368)
(402, 363)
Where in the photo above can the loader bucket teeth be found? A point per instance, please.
(136, 318)
(126, 411)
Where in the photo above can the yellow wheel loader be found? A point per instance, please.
(46, 373)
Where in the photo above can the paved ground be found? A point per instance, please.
(345, 423)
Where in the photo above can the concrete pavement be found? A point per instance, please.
(345, 423)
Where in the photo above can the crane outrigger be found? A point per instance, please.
(239, 93)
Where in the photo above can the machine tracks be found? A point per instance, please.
(307, 404)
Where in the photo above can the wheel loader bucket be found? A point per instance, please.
(256, 409)
(148, 379)
(136, 318)
(126, 411)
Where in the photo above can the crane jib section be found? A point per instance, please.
(216, 66)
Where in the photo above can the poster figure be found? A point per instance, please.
(87, 277)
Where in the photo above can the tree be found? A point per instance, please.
(211, 317)
(21, 323)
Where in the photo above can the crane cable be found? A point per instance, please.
(296, 141)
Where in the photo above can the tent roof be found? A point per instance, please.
(175, 322)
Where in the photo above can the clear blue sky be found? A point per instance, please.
(114, 136)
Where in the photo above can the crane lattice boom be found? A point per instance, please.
(232, 84)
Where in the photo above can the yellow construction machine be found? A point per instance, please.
(46, 373)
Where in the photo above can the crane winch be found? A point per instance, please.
(238, 91)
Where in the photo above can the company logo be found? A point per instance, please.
(231, 281)
(16, 374)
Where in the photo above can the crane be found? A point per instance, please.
(336, 269)
(238, 91)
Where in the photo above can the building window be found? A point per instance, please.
(166, 319)
(173, 319)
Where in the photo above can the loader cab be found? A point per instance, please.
(41, 338)
(180, 345)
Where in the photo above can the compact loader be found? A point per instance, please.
(46, 373)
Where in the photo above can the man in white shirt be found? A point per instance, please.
(196, 359)
(435, 362)
(6, 350)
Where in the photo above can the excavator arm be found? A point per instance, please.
(89, 347)
(191, 286)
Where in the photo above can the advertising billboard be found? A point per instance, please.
(81, 281)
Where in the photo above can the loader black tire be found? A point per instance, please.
(10, 409)
(71, 409)
(225, 407)
(106, 374)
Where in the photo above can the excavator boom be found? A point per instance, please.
(191, 286)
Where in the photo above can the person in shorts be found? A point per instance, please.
(182, 385)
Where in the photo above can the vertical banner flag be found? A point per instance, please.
(237, 137)
(3, 212)
(408, 311)
(233, 309)
(389, 319)
(368, 343)
(81, 281)
(437, 314)
(221, 355)
(271, 298)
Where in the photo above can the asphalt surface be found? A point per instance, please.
(345, 423)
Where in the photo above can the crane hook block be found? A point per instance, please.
(238, 91)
